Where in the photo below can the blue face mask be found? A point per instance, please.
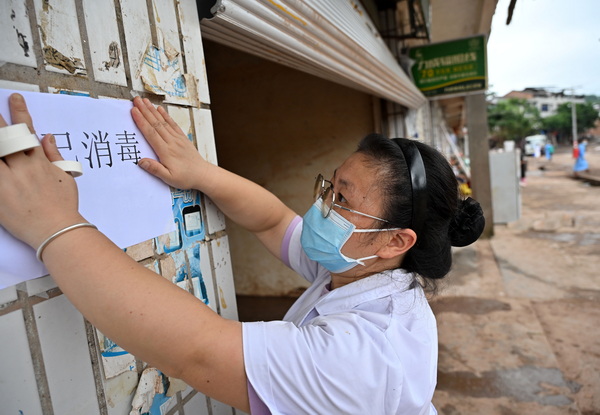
(323, 238)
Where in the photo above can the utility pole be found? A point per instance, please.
(574, 117)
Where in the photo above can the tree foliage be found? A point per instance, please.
(561, 122)
(513, 119)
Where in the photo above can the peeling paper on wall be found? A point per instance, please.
(150, 384)
(161, 73)
(115, 360)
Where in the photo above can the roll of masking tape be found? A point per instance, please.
(73, 167)
(17, 137)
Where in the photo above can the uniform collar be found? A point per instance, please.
(364, 290)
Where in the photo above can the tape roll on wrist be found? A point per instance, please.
(15, 138)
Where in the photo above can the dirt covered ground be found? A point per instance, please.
(519, 315)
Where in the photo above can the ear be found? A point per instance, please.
(401, 241)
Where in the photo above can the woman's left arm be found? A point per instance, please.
(141, 311)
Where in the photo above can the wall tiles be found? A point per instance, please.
(197, 405)
(61, 40)
(136, 24)
(205, 135)
(105, 44)
(192, 47)
(66, 355)
(119, 392)
(20, 86)
(207, 276)
(18, 388)
(40, 285)
(215, 219)
(224, 277)
(8, 294)
(16, 41)
(219, 408)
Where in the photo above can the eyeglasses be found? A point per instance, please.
(324, 189)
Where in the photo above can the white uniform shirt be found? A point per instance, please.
(369, 347)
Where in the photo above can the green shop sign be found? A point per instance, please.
(457, 67)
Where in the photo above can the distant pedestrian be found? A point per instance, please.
(549, 150)
(581, 163)
(537, 150)
(523, 169)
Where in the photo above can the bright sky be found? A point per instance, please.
(548, 43)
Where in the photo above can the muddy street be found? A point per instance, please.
(518, 315)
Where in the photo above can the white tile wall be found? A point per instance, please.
(59, 28)
(205, 135)
(192, 46)
(66, 357)
(9, 294)
(119, 392)
(219, 408)
(197, 405)
(18, 388)
(215, 219)
(20, 86)
(207, 276)
(224, 277)
(61, 329)
(40, 285)
(101, 14)
(16, 42)
(134, 14)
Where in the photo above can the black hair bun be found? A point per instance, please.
(468, 223)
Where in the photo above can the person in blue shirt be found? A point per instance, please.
(581, 164)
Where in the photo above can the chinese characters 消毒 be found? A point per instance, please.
(101, 148)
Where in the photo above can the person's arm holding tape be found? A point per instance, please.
(137, 308)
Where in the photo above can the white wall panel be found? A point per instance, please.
(61, 40)
(205, 134)
(16, 43)
(197, 405)
(137, 36)
(8, 294)
(18, 388)
(66, 357)
(224, 277)
(192, 47)
(104, 41)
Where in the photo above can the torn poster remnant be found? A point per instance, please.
(150, 384)
(161, 73)
(115, 360)
(58, 60)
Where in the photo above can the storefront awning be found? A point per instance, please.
(332, 39)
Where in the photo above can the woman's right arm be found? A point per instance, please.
(181, 166)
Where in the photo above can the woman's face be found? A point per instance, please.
(355, 187)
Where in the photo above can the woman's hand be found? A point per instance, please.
(36, 197)
(180, 165)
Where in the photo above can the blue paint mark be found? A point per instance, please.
(114, 354)
(180, 263)
(193, 254)
(112, 349)
(79, 94)
(187, 215)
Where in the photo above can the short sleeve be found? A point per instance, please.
(294, 256)
(333, 365)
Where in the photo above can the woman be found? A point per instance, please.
(362, 339)
(581, 164)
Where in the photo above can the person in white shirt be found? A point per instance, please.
(361, 339)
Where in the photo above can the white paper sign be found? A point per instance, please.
(127, 204)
